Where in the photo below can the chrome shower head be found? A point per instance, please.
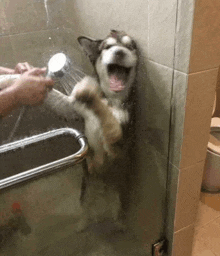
(58, 65)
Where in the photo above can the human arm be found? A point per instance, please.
(20, 68)
(30, 89)
(8, 101)
(6, 71)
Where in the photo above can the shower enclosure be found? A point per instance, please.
(33, 31)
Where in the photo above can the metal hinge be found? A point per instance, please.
(159, 248)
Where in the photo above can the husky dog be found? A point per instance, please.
(103, 100)
(105, 103)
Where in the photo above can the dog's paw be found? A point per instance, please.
(86, 95)
(86, 91)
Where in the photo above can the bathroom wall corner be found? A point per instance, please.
(172, 190)
(178, 102)
(184, 27)
(198, 113)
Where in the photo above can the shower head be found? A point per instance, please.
(58, 65)
(62, 70)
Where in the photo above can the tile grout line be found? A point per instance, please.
(208, 222)
(188, 74)
(192, 224)
(34, 31)
(203, 71)
(213, 252)
(184, 168)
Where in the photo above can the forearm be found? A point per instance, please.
(8, 101)
(4, 71)
(7, 80)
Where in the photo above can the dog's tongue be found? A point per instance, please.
(117, 79)
(116, 84)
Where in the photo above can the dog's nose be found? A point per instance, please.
(119, 54)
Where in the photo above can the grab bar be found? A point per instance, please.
(49, 167)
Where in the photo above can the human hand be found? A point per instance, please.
(31, 88)
(20, 68)
(35, 72)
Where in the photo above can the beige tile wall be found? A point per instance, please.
(188, 194)
(205, 49)
(216, 107)
(198, 110)
(194, 106)
(183, 240)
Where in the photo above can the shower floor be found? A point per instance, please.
(55, 235)
(207, 227)
(84, 244)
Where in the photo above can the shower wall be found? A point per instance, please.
(33, 30)
(152, 24)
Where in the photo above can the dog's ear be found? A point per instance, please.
(114, 33)
(91, 47)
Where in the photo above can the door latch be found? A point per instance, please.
(159, 248)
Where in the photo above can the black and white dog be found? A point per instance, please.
(103, 100)
(105, 103)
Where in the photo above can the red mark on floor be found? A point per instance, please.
(16, 206)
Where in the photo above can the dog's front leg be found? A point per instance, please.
(86, 92)
(60, 104)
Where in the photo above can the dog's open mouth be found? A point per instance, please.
(118, 76)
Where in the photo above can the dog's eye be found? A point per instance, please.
(130, 47)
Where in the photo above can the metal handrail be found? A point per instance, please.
(49, 167)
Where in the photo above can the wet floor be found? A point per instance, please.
(88, 243)
(53, 223)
